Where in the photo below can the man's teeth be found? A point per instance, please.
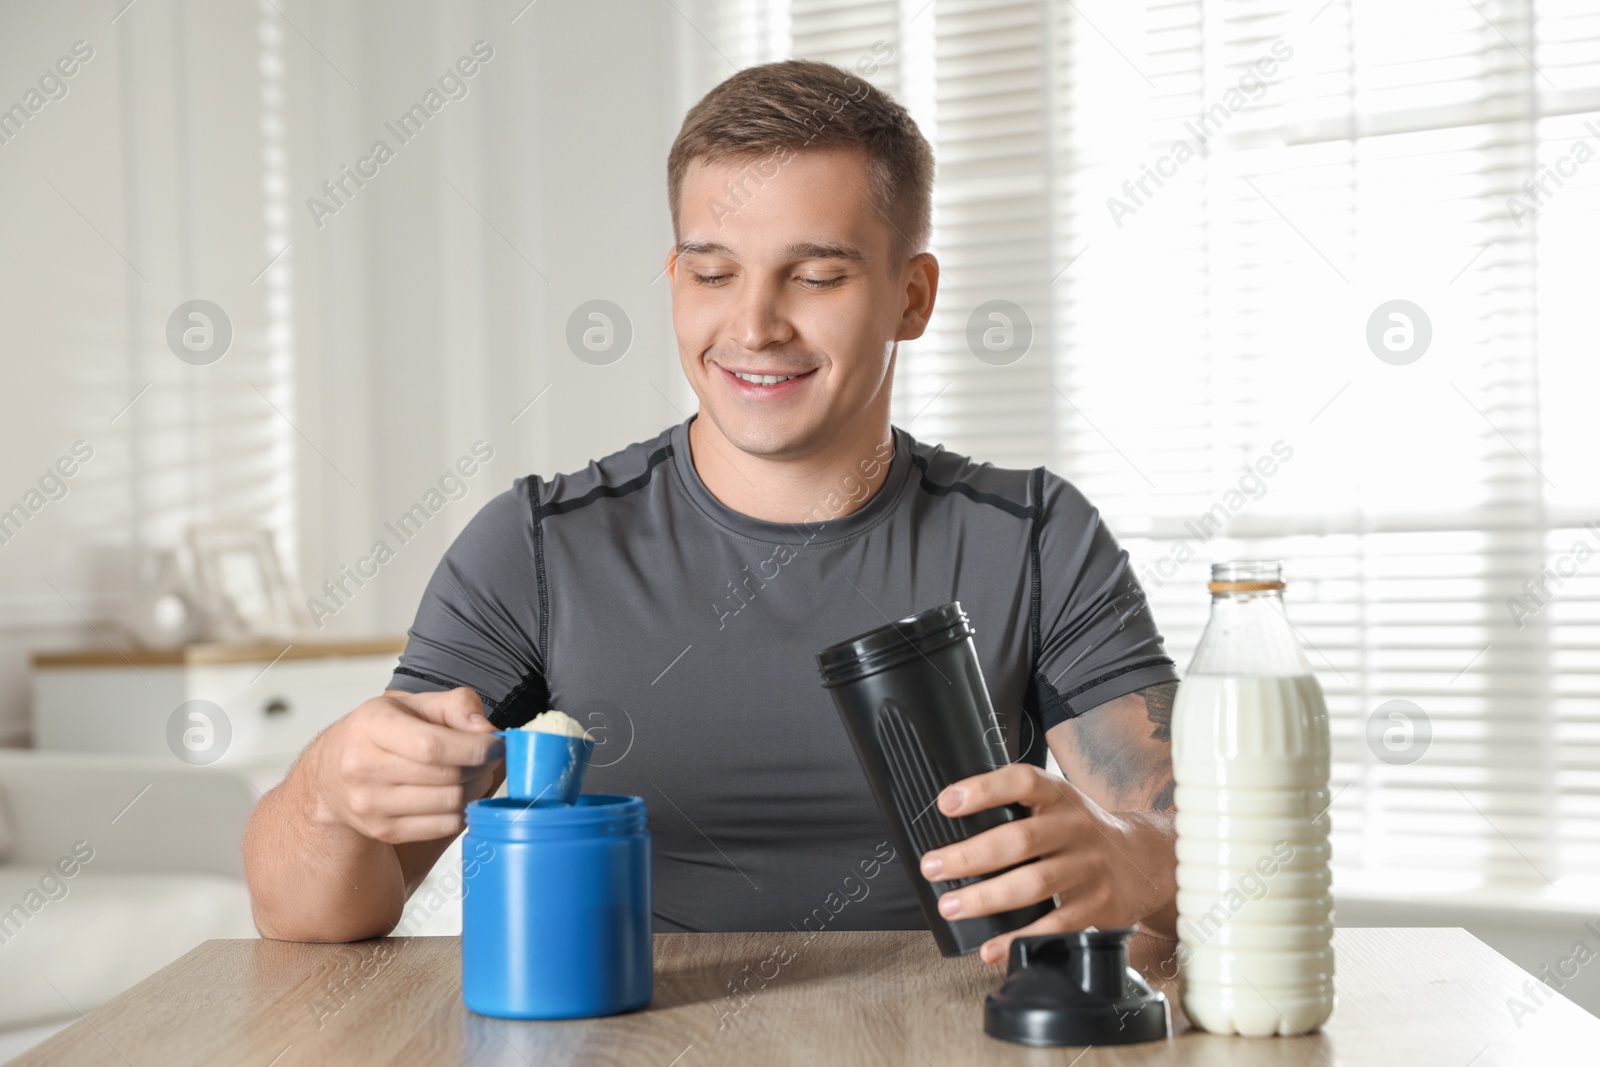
(763, 379)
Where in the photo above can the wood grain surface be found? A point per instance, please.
(1408, 997)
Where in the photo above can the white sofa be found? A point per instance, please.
(164, 873)
(111, 867)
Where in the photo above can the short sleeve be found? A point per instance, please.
(1095, 637)
(479, 621)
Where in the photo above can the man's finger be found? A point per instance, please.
(1028, 884)
(460, 708)
(1059, 921)
(409, 828)
(398, 731)
(1015, 783)
(380, 765)
(397, 801)
(999, 847)
(1077, 912)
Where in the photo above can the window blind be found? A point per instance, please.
(1205, 210)
(116, 248)
(217, 443)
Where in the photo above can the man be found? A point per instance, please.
(675, 595)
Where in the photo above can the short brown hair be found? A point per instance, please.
(781, 108)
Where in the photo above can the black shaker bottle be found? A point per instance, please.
(912, 698)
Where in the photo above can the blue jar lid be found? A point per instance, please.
(594, 815)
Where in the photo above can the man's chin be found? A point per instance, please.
(767, 438)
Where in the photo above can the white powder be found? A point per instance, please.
(558, 722)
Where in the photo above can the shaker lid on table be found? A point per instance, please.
(1075, 989)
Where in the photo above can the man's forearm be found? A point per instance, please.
(400, 768)
(1120, 753)
(312, 878)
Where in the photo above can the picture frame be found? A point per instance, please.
(241, 583)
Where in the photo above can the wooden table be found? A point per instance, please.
(1408, 997)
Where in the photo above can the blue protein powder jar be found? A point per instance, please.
(555, 911)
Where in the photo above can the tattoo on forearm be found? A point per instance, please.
(1115, 747)
(1102, 740)
(1158, 708)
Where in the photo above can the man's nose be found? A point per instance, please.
(760, 318)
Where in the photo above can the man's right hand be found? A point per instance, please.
(402, 767)
(332, 852)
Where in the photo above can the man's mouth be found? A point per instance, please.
(765, 379)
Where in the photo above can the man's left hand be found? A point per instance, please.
(1110, 868)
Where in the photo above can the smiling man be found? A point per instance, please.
(673, 596)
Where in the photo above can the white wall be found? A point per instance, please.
(561, 145)
(395, 335)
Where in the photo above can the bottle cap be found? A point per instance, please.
(1075, 989)
(913, 637)
(1246, 576)
(1243, 587)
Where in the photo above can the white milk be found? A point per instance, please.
(1255, 914)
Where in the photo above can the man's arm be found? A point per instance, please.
(1120, 752)
(1103, 839)
(1120, 755)
(333, 851)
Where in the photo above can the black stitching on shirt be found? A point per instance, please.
(1048, 700)
(536, 489)
(1155, 661)
(656, 458)
(1032, 704)
(1008, 506)
(500, 711)
(434, 679)
(1036, 514)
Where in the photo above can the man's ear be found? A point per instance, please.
(921, 278)
(672, 266)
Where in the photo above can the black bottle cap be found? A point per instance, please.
(913, 637)
(1075, 989)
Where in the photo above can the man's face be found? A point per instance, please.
(788, 277)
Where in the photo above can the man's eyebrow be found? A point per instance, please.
(799, 250)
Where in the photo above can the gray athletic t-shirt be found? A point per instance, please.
(684, 635)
